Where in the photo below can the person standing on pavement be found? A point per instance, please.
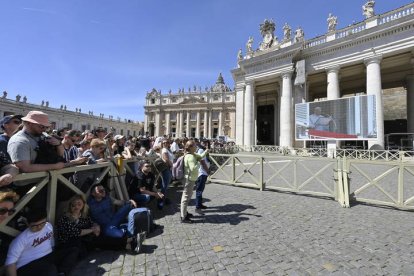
(191, 166)
(202, 176)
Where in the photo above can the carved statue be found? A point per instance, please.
(64, 107)
(24, 99)
(61, 106)
(239, 55)
(47, 103)
(299, 35)
(249, 43)
(332, 22)
(4, 94)
(287, 31)
(80, 110)
(267, 29)
(43, 103)
(18, 98)
(368, 9)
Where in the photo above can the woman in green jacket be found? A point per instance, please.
(191, 166)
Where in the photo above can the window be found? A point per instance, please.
(227, 99)
(174, 99)
(152, 101)
(69, 126)
(193, 116)
(173, 116)
(215, 115)
(227, 116)
(216, 97)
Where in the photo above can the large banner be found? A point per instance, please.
(342, 119)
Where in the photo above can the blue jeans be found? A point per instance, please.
(166, 179)
(118, 230)
(131, 221)
(142, 198)
(200, 185)
(114, 228)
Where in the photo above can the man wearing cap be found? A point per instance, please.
(23, 146)
(9, 124)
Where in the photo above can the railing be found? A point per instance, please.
(353, 29)
(114, 171)
(396, 14)
(374, 177)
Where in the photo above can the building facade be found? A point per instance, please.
(363, 58)
(197, 113)
(63, 117)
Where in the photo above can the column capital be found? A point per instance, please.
(373, 59)
(333, 69)
(287, 74)
(250, 83)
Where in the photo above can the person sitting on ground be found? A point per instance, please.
(23, 147)
(142, 188)
(7, 200)
(9, 124)
(75, 227)
(31, 252)
(102, 208)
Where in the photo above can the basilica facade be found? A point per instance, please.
(208, 112)
(364, 58)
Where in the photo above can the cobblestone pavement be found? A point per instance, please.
(249, 232)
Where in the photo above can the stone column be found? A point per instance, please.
(333, 91)
(167, 123)
(146, 122)
(374, 87)
(157, 124)
(410, 103)
(187, 129)
(181, 124)
(239, 117)
(249, 115)
(220, 131)
(198, 125)
(286, 110)
(206, 123)
(210, 125)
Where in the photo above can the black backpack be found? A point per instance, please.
(46, 153)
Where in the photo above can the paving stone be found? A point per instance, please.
(268, 233)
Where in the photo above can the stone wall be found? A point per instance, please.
(395, 103)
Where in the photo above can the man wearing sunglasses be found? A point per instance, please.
(23, 146)
(9, 124)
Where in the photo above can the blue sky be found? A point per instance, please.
(104, 55)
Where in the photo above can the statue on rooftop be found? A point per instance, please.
(368, 9)
(239, 55)
(43, 103)
(287, 31)
(299, 35)
(4, 94)
(267, 29)
(249, 47)
(332, 22)
(24, 99)
(18, 98)
(47, 103)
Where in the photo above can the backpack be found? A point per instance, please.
(160, 165)
(46, 153)
(178, 168)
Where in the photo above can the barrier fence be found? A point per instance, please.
(383, 177)
(373, 177)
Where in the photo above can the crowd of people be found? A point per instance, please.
(98, 219)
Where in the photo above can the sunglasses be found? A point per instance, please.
(37, 226)
(4, 211)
